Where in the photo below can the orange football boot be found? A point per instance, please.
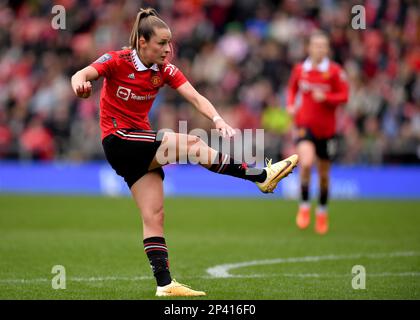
(321, 223)
(303, 217)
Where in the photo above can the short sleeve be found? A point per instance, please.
(105, 64)
(173, 76)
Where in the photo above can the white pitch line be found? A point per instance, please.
(78, 279)
(222, 271)
(247, 276)
(331, 275)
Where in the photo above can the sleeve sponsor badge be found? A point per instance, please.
(104, 58)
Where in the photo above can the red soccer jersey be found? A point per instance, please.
(319, 117)
(130, 88)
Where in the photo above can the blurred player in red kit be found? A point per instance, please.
(316, 88)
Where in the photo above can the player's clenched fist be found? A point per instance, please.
(225, 130)
(83, 90)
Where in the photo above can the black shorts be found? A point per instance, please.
(130, 152)
(325, 148)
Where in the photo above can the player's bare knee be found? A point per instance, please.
(159, 213)
(154, 216)
(194, 141)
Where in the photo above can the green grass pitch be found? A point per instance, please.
(98, 241)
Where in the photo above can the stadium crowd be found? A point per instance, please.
(238, 54)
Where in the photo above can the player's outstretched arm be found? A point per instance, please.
(80, 81)
(204, 106)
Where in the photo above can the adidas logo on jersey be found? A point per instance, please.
(131, 76)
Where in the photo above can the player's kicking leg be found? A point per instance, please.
(197, 150)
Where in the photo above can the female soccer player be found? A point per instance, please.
(133, 78)
(323, 87)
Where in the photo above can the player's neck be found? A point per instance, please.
(316, 62)
(145, 63)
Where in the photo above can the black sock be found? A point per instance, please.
(157, 252)
(224, 164)
(323, 196)
(304, 192)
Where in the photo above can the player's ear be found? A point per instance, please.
(142, 42)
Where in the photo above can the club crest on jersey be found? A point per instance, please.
(326, 75)
(156, 80)
(131, 76)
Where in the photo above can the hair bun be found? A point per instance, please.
(144, 13)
